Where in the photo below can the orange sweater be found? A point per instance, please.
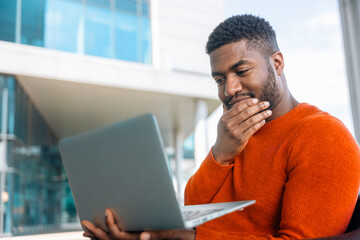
(303, 170)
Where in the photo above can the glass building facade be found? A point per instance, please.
(35, 195)
(34, 192)
(118, 29)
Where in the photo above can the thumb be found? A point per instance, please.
(146, 236)
(156, 235)
(224, 109)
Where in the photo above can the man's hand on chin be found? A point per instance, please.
(236, 126)
(115, 233)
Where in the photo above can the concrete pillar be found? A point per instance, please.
(3, 156)
(201, 143)
(350, 21)
(178, 166)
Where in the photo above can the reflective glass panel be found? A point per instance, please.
(32, 22)
(127, 37)
(11, 104)
(107, 28)
(7, 20)
(100, 3)
(97, 30)
(2, 86)
(63, 26)
(133, 31)
(145, 8)
(126, 5)
(146, 40)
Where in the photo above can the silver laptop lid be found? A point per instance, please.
(122, 167)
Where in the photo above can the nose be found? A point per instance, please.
(233, 85)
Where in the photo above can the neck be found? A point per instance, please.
(285, 104)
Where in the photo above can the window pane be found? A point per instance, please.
(126, 5)
(93, 27)
(97, 31)
(146, 40)
(62, 25)
(7, 20)
(2, 86)
(100, 3)
(126, 36)
(11, 104)
(32, 22)
(145, 8)
(36, 197)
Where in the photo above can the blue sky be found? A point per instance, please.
(292, 20)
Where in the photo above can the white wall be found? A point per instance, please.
(184, 27)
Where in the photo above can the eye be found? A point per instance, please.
(242, 72)
(219, 81)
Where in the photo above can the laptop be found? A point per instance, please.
(123, 167)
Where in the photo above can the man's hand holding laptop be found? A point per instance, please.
(246, 115)
(115, 232)
(112, 153)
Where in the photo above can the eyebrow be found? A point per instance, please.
(232, 67)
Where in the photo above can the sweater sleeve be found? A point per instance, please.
(206, 234)
(323, 180)
(208, 179)
(322, 188)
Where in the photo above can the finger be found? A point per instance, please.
(146, 236)
(97, 232)
(249, 112)
(238, 122)
(89, 235)
(168, 234)
(241, 106)
(110, 222)
(87, 225)
(156, 235)
(246, 129)
(249, 132)
(254, 120)
(114, 229)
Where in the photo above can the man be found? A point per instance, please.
(300, 164)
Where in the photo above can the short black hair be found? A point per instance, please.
(256, 31)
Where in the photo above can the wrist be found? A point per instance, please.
(219, 158)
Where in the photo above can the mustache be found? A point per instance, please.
(230, 98)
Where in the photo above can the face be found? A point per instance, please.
(241, 74)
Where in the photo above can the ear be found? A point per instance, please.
(278, 61)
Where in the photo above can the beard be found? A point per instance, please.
(270, 91)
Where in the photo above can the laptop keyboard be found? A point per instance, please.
(190, 215)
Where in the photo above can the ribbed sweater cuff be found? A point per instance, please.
(214, 169)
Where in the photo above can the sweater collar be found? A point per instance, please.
(291, 116)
